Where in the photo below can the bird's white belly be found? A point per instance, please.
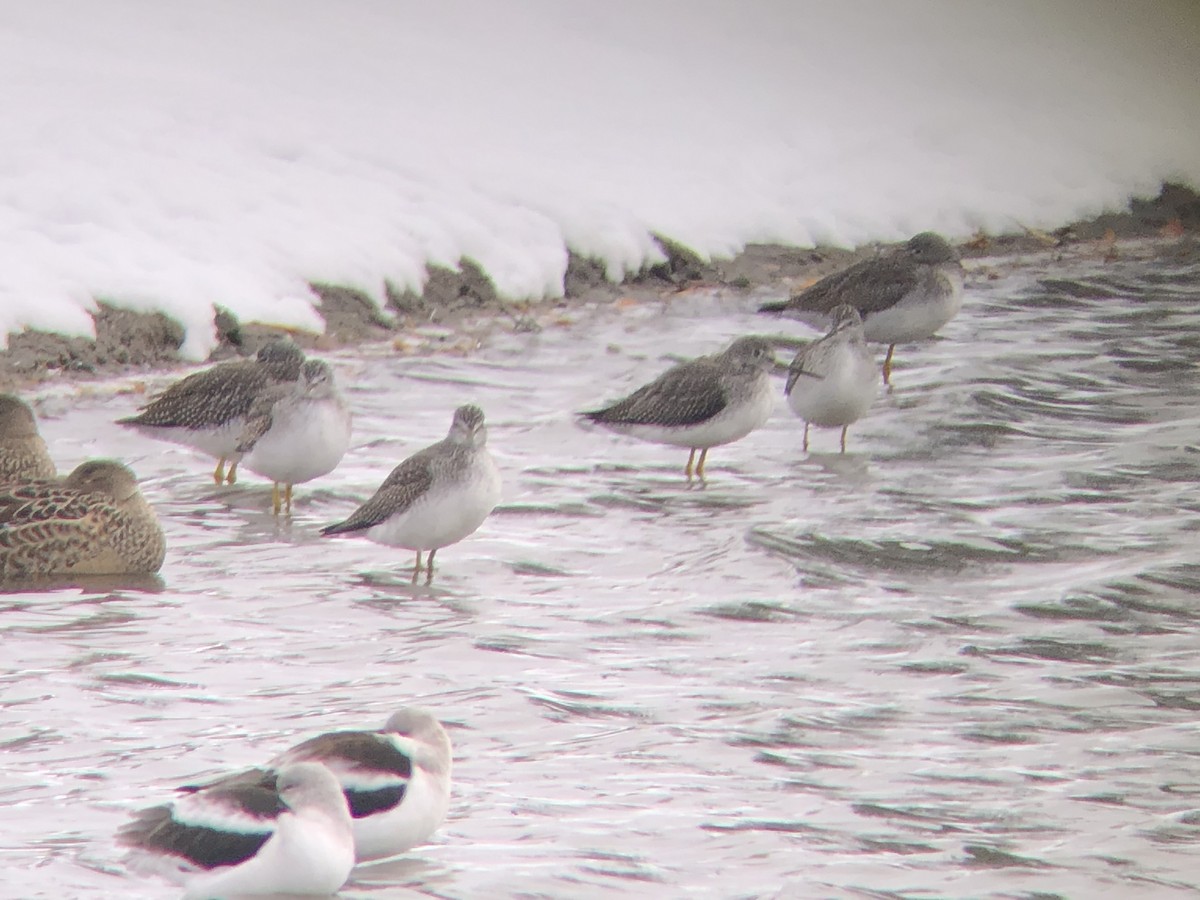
(217, 441)
(446, 514)
(919, 315)
(841, 397)
(308, 854)
(419, 814)
(731, 424)
(305, 445)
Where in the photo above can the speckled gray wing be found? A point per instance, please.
(801, 367)
(260, 416)
(406, 483)
(869, 286)
(205, 399)
(688, 394)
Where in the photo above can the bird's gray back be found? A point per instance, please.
(206, 399)
(688, 394)
(869, 286)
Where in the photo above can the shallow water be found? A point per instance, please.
(962, 659)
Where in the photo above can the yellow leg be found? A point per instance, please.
(805, 445)
(417, 568)
(688, 468)
(219, 474)
(429, 567)
(275, 504)
(231, 476)
(844, 429)
(700, 465)
(287, 498)
(887, 364)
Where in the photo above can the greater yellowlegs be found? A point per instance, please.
(396, 780)
(293, 836)
(207, 410)
(296, 432)
(434, 498)
(701, 403)
(93, 522)
(23, 453)
(903, 296)
(833, 380)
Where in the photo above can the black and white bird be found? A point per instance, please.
(436, 497)
(833, 381)
(701, 403)
(906, 295)
(292, 835)
(396, 780)
(207, 410)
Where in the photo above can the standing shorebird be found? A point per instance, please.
(296, 432)
(207, 410)
(23, 453)
(396, 780)
(833, 380)
(292, 836)
(434, 498)
(904, 296)
(699, 404)
(93, 522)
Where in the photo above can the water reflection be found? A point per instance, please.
(959, 660)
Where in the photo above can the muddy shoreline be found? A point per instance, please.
(458, 309)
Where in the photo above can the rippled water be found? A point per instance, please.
(963, 659)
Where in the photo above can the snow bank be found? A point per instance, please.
(172, 156)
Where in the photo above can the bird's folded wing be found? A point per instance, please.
(689, 394)
(407, 482)
(869, 286)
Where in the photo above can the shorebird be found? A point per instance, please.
(23, 453)
(93, 522)
(207, 410)
(396, 780)
(833, 380)
(906, 295)
(434, 498)
(293, 836)
(295, 432)
(699, 404)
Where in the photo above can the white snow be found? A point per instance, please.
(175, 155)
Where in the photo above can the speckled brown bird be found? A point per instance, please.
(23, 453)
(396, 779)
(208, 410)
(93, 522)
